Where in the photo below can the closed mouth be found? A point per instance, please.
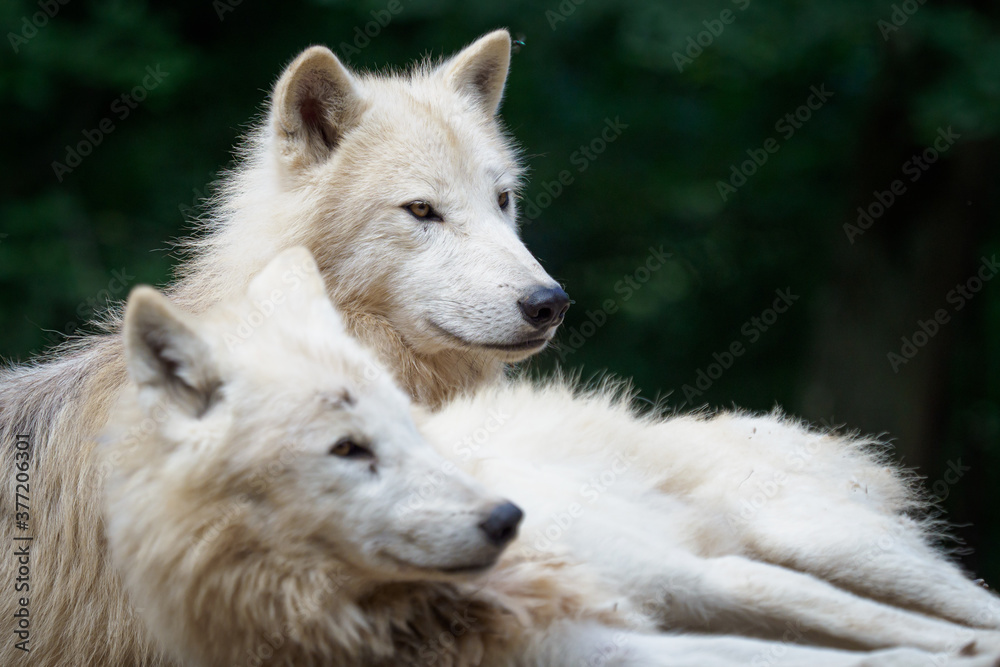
(508, 347)
(468, 569)
(515, 347)
(475, 568)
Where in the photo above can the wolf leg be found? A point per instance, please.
(886, 558)
(571, 644)
(824, 504)
(733, 593)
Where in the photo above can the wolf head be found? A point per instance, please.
(417, 186)
(261, 439)
(404, 187)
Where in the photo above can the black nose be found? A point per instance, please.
(545, 306)
(501, 525)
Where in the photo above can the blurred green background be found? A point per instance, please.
(698, 90)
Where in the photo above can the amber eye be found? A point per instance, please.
(504, 200)
(346, 448)
(422, 210)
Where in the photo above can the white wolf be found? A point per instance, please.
(838, 511)
(401, 187)
(736, 524)
(491, 299)
(254, 510)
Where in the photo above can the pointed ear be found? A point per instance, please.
(293, 272)
(480, 70)
(164, 352)
(293, 278)
(315, 102)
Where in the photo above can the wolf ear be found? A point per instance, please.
(293, 272)
(293, 278)
(164, 352)
(480, 70)
(315, 102)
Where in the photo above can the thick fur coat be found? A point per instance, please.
(273, 502)
(748, 522)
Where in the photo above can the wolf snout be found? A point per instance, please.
(544, 307)
(500, 527)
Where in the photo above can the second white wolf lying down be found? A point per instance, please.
(737, 523)
(256, 512)
(731, 524)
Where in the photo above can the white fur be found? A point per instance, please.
(732, 523)
(340, 155)
(441, 295)
(241, 436)
(322, 185)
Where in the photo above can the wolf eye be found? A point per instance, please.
(346, 448)
(503, 199)
(422, 210)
